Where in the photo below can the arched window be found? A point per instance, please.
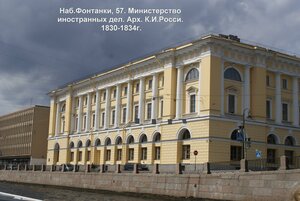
(184, 134)
(236, 135)
(107, 141)
(232, 74)
(79, 144)
(71, 145)
(143, 138)
(97, 142)
(119, 140)
(56, 147)
(130, 140)
(193, 74)
(272, 139)
(88, 143)
(156, 137)
(289, 141)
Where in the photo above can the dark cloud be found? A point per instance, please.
(38, 54)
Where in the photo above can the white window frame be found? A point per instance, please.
(235, 103)
(288, 112)
(148, 117)
(190, 102)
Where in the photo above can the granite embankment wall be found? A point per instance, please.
(268, 185)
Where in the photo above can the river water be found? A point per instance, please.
(48, 193)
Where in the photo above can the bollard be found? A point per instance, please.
(87, 168)
(206, 168)
(178, 168)
(18, 167)
(118, 168)
(283, 163)
(33, 168)
(25, 168)
(102, 170)
(244, 165)
(155, 169)
(135, 168)
(43, 168)
(51, 168)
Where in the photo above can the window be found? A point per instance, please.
(144, 153)
(231, 103)
(271, 155)
(149, 108)
(162, 81)
(113, 114)
(193, 74)
(95, 99)
(157, 153)
(107, 142)
(107, 155)
(102, 118)
(130, 140)
(63, 124)
(115, 93)
(150, 84)
(161, 108)
(97, 142)
(71, 145)
(284, 83)
(72, 156)
(289, 141)
(104, 96)
(84, 122)
(131, 154)
(88, 143)
(289, 155)
(93, 120)
(268, 80)
(125, 91)
(63, 108)
(236, 135)
(136, 112)
(119, 154)
(137, 87)
(157, 137)
(186, 152)
(88, 157)
(79, 144)
(119, 141)
(232, 74)
(80, 156)
(284, 112)
(235, 153)
(272, 139)
(124, 115)
(143, 139)
(85, 100)
(268, 109)
(78, 102)
(192, 103)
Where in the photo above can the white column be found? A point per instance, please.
(107, 108)
(247, 88)
(154, 97)
(97, 110)
(141, 100)
(179, 92)
(222, 88)
(199, 88)
(295, 102)
(79, 123)
(278, 117)
(57, 119)
(128, 106)
(88, 113)
(118, 106)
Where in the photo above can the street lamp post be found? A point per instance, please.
(246, 141)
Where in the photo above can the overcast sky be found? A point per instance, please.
(38, 54)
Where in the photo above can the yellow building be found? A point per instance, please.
(162, 108)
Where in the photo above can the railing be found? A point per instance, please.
(264, 164)
(224, 166)
(293, 163)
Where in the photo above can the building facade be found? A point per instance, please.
(23, 136)
(193, 97)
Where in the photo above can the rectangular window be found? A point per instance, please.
(235, 153)
(231, 104)
(85, 100)
(125, 91)
(284, 112)
(88, 157)
(289, 155)
(268, 80)
(113, 114)
(80, 156)
(93, 120)
(124, 115)
(284, 83)
(271, 155)
(268, 109)
(186, 149)
(136, 112)
(161, 108)
(72, 156)
(149, 108)
(78, 102)
(76, 123)
(115, 93)
(144, 153)
(104, 96)
(102, 118)
(119, 154)
(95, 98)
(162, 81)
(131, 154)
(107, 156)
(192, 103)
(157, 153)
(84, 122)
(137, 87)
(150, 84)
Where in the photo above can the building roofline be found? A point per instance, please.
(23, 110)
